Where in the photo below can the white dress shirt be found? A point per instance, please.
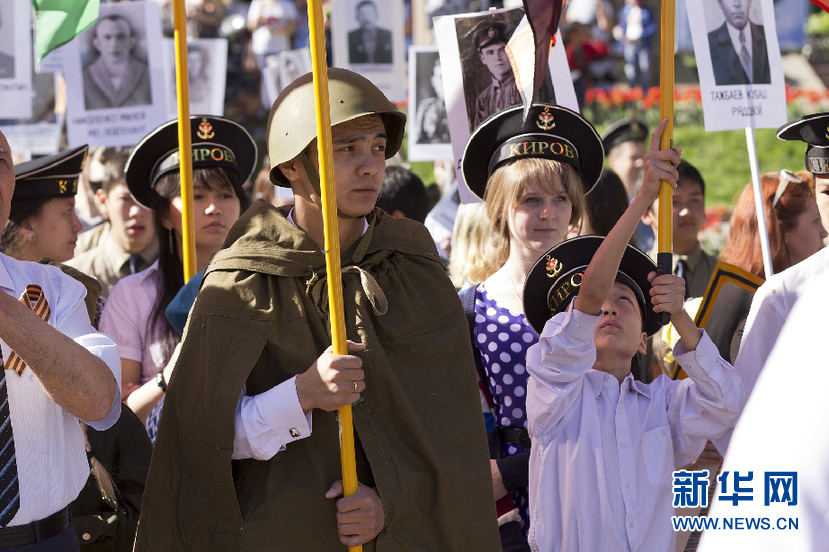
(603, 453)
(770, 307)
(783, 429)
(49, 445)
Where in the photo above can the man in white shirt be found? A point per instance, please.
(260, 326)
(780, 430)
(131, 244)
(57, 372)
(774, 300)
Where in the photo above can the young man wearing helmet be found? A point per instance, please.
(260, 329)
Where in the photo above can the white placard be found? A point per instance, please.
(16, 59)
(51, 62)
(39, 135)
(465, 77)
(368, 38)
(207, 66)
(104, 110)
(429, 137)
(731, 97)
(283, 69)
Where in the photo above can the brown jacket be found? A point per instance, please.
(260, 318)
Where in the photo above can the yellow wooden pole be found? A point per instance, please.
(665, 244)
(332, 238)
(184, 143)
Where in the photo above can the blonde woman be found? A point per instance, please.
(532, 177)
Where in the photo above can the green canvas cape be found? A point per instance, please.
(261, 318)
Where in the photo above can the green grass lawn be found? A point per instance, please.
(722, 158)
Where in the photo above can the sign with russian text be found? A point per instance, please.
(739, 63)
(115, 77)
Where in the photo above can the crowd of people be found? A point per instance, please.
(512, 382)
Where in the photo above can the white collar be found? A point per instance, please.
(291, 220)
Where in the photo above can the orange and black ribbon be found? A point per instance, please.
(33, 298)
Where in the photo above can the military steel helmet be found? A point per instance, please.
(292, 124)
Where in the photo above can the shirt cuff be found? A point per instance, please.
(268, 422)
(102, 347)
(704, 350)
(584, 325)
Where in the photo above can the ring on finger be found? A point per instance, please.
(355, 386)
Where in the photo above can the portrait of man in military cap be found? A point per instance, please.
(489, 83)
(7, 41)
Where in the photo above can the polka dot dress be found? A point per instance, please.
(503, 339)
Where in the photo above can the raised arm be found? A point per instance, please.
(601, 273)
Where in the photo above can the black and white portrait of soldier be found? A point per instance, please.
(117, 74)
(369, 43)
(490, 41)
(489, 82)
(738, 47)
(432, 124)
(6, 40)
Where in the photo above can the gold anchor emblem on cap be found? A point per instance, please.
(492, 32)
(205, 130)
(545, 120)
(554, 267)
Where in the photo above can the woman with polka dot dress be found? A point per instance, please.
(532, 176)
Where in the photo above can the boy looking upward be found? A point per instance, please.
(603, 445)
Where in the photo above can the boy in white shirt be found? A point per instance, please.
(603, 445)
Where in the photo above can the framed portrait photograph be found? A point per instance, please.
(7, 36)
(368, 36)
(16, 59)
(207, 67)
(40, 134)
(739, 63)
(115, 77)
(478, 78)
(283, 69)
(428, 121)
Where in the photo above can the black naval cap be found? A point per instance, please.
(215, 142)
(556, 277)
(51, 176)
(549, 132)
(626, 130)
(490, 32)
(814, 130)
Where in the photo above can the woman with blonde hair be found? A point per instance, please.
(472, 247)
(532, 177)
